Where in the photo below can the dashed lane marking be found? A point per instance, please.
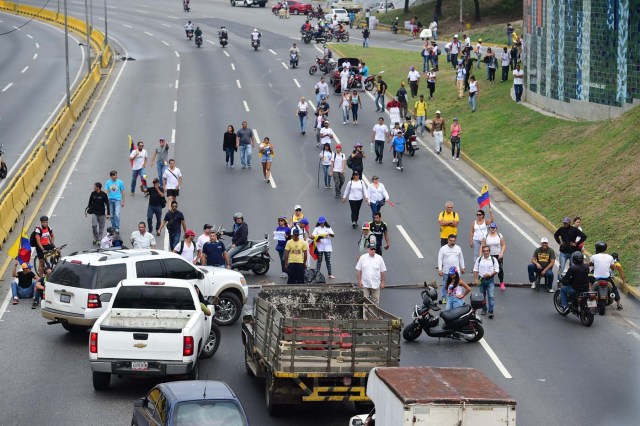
(177, 83)
(35, 55)
(127, 26)
(178, 67)
(286, 67)
(246, 106)
(24, 69)
(37, 45)
(211, 43)
(165, 25)
(226, 53)
(7, 87)
(173, 135)
(495, 359)
(175, 106)
(233, 67)
(270, 50)
(177, 54)
(238, 83)
(167, 44)
(148, 33)
(30, 36)
(410, 242)
(296, 82)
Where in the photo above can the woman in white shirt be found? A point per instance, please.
(355, 192)
(378, 196)
(473, 93)
(495, 241)
(479, 230)
(345, 105)
(323, 244)
(325, 158)
(301, 112)
(338, 162)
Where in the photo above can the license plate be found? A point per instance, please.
(414, 143)
(139, 365)
(65, 298)
(591, 303)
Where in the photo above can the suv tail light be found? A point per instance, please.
(93, 343)
(93, 301)
(187, 347)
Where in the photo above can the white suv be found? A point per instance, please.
(341, 15)
(81, 285)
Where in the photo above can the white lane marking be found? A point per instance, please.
(246, 106)
(142, 11)
(7, 87)
(319, 49)
(495, 359)
(30, 36)
(411, 243)
(173, 135)
(165, 25)
(165, 242)
(173, 17)
(226, 53)
(37, 45)
(24, 69)
(286, 67)
(177, 82)
(148, 33)
(630, 322)
(100, 19)
(177, 54)
(312, 105)
(167, 44)
(16, 28)
(175, 106)
(296, 82)
(271, 181)
(127, 26)
(139, 19)
(270, 50)
(35, 56)
(233, 67)
(634, 334)
(178, 67)
(238, 83)
(211, 42)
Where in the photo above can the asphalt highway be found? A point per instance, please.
(560, 372)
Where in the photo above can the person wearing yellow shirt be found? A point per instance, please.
(421, 115)
(448, 220)
(295, 258)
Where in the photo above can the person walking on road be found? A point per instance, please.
(437, 131)
(378, 196)
(325, 159)
(421, 115)
(141, 239)
(322, 90)
(370, 271)
(157, 202)
(138, 159)
(380, 231)
(448, 220)
(398, 144)
(173, 220)
(473, 93)
(187, 247)
(338, 164)
(229, 146)
(365, 239)
(414, 79)
(161, 158)
(266, 157)
(455, 132)
(115, 192)
(355, 192)
(345, 105)
(98, 208)
(365, 36)
(244, 142)
(355, 106)
(357, 159)
(282, 234)
(485, 269)
(432, 75)
(497, 246)
(479, 231)
(402, 97)
(457, 290)
(379, 136)
(301, 113)
(382, 89)
(449, 256)
(213, 253)
(172, 180)
(323, 233)
(295, 258)
(461, 73)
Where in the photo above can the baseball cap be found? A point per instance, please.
(25, 266)
(304, 221)
(438, 112)
(452, 270)
(366, 225)
(372, 245)
(358, 145)
(338, 146)
(455, 36)
(189, 233)
(322, 219)
(544, 240)
(297, 207)
(493, 225)
(295, 231)
(207, 226)
(567, 219)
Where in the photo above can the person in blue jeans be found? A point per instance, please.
(382, 89)
(575, 281)
(457, 289)
(24, 285)
(161, 158)
(244, 142)
(173, 220)
(115, 191)
(138, 159)
(485, 269)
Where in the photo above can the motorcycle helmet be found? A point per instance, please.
(44, 219)
(432, 293)
(615, 256)
(601, 247)
(237, 216)
(324, 45)
(577, 257)
(255, 30)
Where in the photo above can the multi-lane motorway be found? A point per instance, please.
(559, 372)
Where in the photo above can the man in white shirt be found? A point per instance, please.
(322, 88)
(518, 82)
(603, 263)
(433, 26)
(370, 271)
(450, 255)
(467, 42)
(138, 159)
(172, 178)
(338, 162)
(344, 78)
(141, 239)
(454, 51)
(414, 79)
(380, 136)
(187, 248)
(505, 60)
(485, 269)
(203, 239)
(326, 134)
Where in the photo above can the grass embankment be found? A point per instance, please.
(561, 168)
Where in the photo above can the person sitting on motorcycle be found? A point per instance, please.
(306, 27)
(602, 264)
(575, 281)
(198, 32)
(294, 49)
(188, 28)
(341, 29)
(222, 34)
(239, 235)
(255, 35)
(409, 128)
(319, 31)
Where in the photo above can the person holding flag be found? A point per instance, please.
(321, 243)
(138, 159)
(479, 228)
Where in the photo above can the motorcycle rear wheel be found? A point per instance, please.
(586, 317)
(345, 38)
(368, 86)
(261, 267)
(601, 307)
(558, 304)
(411, 332)
(313, 69)
(475, 329)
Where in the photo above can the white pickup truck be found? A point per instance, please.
(152, 327)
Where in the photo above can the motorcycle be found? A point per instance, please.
(293, 59)
(354, 82)
(3, 165)
(223, 41)
(459, 323)
(370, 81)
(394, 27)
(53, 256)
(412, 145)
(254, 256)
(605, 294)
(307, 36)
(583, 305)
(189, 34)
(198, 41)
(255, 43)
(324, 65)
(342, 36)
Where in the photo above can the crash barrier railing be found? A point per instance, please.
(25, 181)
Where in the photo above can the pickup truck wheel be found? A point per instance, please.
(263, 4)
(233, 3)
(212, 343)
(229, 310)
(74, 328)
(195, 372)
(101, 381)
(272, 409)
(260, 267)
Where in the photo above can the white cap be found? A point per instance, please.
(438, 112)
(297, 206)
(455, 36)
(544, 240)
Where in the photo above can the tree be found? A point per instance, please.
(438, 11)
(476, 15)
(406, 6)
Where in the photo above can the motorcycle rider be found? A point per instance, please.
(255, 35)
(602, 264)
(198, 32)
(306, 27)
(222, 34)
(575, 281)
(188, 28)
(43, 236)
(296, 50)
(239, 235)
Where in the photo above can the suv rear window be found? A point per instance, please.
(154, 297)
(110, 275)
(74, 275)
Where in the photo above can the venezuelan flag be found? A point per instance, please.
(313, 247)
(21, 249)
(484, 199)
(132, 147)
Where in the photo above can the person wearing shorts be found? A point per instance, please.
(172, 178)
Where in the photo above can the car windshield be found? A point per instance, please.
(209, 413)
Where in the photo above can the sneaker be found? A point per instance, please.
(502, 287)
(95, 241)
(353, 225)
(483, 313)
(303, 133)
(332, 277)
(550, 290)
(133, 194)
(344, 122)
(619, 307)
(329, 186)
(395, 160)
(565, 310)
(35, 304)
(380, 161)
(457, 159)
(490, 315)
(397, 168)
(231, 166)
(283, 275)
(453, 158)
(249, 166)
(337, 195)
(443, 301)
(268, 180)
(533, 285)
(244, 167)
(402, 169)
(15, 301)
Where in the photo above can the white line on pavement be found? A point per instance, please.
(165, 242)
(312, 105)
(173, 135)
(35, 56)
(238, 83)
(177, 54)
(630, 322)
(286, 67)
(411, 243)
(16, 28)
(165, 25)
(177, 83)
(318, 49)
(233, 67)
(127, 26)
(634, 334)
(178, 67)
(100, 19)
(167, 44)
(7, 87)
(24, 69)
(142, 11)
(226, 53)
(148, 33)
(272, 52)
(211, 43)
(173, 17)
(246, 106)
(495, 359)
(175, 106)
(37, 45)
(296, 82)
(139, 19)
(271, 181)
(30, 36)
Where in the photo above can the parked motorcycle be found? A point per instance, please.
(189, 34)
(583, 305)
(254, 256)
(342, 36)
(458, 323)
(394, 26)
(370, 81)
(255, 43)
(3, 166)
(293, 59)
(605, 294)
(198, 41)
(412, 145)
(324, 65)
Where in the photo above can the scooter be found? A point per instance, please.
(583, 305)
(412, 145)
(254, 256)
(223, 40)
(293, 59)
(3, 165)
(459, 323)
(605, 294)
(198, 41)
(189, 34)
(255, 43)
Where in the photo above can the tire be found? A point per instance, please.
(272, 408)
(411, 332)
(313, 69)
(601, 307)
(101, 381)
(233, 3)
(557, 303)
(474, 328)
(296, 12)
(586, 318)
(261, 267)
(368, 86)
(194, 374)
(212, 343)
(345, 38)
(75, 328)
(229, 310)
(263, 4)
(133, 421)
(329, 37)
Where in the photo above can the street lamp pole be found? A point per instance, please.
(66, 53)
(106, 33)
(91, 16)
(86, 13)
(460, 30)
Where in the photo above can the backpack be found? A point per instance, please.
(32, 237)
(477, 262)
(454, 213)
(182, 247)
(409, 130)
(365, 33)
(350, 162)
